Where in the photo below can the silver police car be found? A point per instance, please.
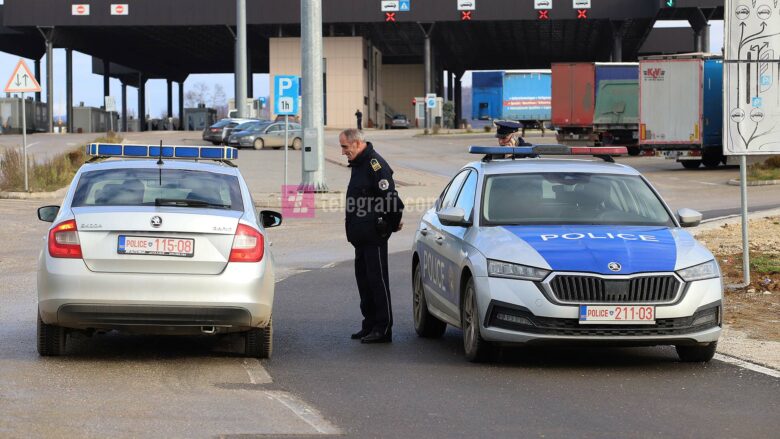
(157, 245)
(525, 250)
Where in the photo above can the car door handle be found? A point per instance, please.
(423, 231)
(440, 240)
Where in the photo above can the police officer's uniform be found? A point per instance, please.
(374, 211)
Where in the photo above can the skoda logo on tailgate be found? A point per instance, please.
(156, 221)
(614, 266)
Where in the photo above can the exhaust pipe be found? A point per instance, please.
(208, 329)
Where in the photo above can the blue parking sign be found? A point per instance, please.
(286, 91)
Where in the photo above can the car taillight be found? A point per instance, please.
(247, 245)
(64, 240)
(215, 130)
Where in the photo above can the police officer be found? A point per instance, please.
(506, 132)
(373, 212)
(359, 117)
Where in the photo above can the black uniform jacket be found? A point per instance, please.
(373, 208)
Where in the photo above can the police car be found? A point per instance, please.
(156, 245)
(543, 250)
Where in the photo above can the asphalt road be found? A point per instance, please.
(425, 388)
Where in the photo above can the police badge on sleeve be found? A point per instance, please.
(384, 184)
(375, 165)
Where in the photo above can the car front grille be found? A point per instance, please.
(594, 289)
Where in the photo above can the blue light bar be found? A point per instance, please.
(168, 151)
(517, 150)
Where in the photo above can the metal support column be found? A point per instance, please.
(50, 80)
(106, 78)
(124, 107)
(169, 89)
(705, 39)
(182, 122)
(250, 86)
(313, 163)
(38, 78)
(458, 99)
(617, 41)
(428, 68)
(241, 58)
(141, 102)
(69, 88)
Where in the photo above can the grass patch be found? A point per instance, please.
(49, 175)
(769, 170)
(765, 264)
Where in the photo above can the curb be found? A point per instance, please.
(736, 182)
(59, 193)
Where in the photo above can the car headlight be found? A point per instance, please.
(515, 271)
(707, 270)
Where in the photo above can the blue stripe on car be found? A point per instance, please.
(592, 248)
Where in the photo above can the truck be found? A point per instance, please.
(616, 116)
(518, 95)
(681, 107)
(575, 88)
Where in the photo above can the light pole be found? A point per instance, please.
(313, 163)
(241, 58)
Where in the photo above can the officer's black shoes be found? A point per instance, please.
(378, 336)
(360, 334)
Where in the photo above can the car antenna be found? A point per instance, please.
(160, 162)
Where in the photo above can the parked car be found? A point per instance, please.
(399, 121)
(218, 133)
(173, 246)
(267, 135)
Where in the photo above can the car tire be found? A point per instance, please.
(258, 144)
(711, 161)
(696, 353)
(425, 324)
(296, 144)
(51, 339)
(216, 143)
(259, 342)
(474, 346)
(691, 164)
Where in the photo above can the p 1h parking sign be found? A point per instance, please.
(286, 91)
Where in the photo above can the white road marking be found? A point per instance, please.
(30, 145)
(331, 265)
(708, 183)
(257, 373)
(307, 413)
(747, 365)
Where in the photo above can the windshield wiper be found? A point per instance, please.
(178, 202)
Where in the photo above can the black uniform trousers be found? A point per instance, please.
(373, 283)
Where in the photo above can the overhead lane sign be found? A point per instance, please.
(22, 80)
(581, 4)
(79, 9)
(119, 9)
(390, 6)
(467, 5)
(405, 5)
(541, 5)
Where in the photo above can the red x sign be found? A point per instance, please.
(543, 15)
(582, 14)
(390, 16)
(465, 15)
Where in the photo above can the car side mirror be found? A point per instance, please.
(689, 217)
(271, 218)
(48, 213)
(453, 216)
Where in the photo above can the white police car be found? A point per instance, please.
(157, 245)
(536, 250)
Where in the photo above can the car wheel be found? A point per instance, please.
(51, 339)
(475, 347)
(711, 161)
(258, 342)
(697, 353)
(425, 323)
(216, 143)
(258, 144)
(691, 164)
(297, 144)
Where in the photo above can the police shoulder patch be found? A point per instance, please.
(384, 184)
(375, 165)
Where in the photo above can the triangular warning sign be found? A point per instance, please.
(22, 80)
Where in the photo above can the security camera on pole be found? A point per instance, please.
(751, 101)
(23, 81)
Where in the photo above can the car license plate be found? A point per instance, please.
(147, 245)
(617, 314)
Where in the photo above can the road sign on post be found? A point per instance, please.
(543, 4)
(467, 5)
(286, 91)
(22, 81)
(430, 100)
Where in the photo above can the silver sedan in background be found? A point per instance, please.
(270, 135)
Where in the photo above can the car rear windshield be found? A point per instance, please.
(572, 198)
(221, 124)
(246, 126)
(142, 187)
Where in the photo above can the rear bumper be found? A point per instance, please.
(71, 295)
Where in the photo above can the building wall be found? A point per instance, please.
(346, 86)
(401, 83)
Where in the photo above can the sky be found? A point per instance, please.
(88, 87)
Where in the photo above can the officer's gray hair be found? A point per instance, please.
(353, 135)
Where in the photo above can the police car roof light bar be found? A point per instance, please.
(183, 152)
(494, 152)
